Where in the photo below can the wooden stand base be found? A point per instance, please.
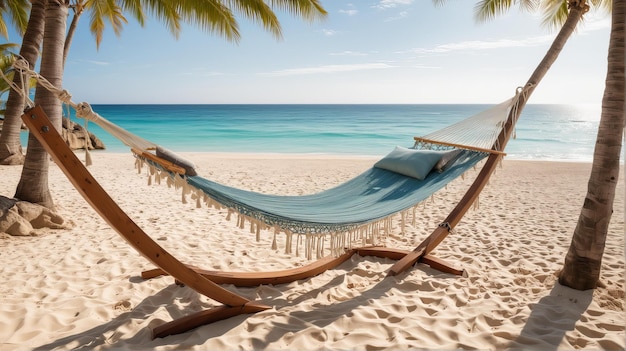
(203, 281)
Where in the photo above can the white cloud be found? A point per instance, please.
(202, 73)
(97, 63)
(486, 45)
(348, 53)
(387, 4)
(400, 15)
(327, 69)
(329, 32)
(593, 23)
(349, 12)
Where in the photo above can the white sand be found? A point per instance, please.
(81, 289)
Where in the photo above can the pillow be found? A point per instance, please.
(190, 168)
(410, 162)
(446, 159)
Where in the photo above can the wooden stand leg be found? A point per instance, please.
(441, 265)
(201, 318)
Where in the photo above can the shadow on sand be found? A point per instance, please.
(111, 332)
(552, 317)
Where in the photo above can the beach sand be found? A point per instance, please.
(81, 288)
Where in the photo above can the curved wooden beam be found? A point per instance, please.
(246, 279)
(440, 233)
(265, 278)
(197, 319)
(457, 213)
(39, 125)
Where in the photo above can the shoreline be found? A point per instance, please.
(295, 156)
(80, 287)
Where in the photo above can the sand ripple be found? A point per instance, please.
(80, 288)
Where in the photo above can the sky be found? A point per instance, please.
(363, 52)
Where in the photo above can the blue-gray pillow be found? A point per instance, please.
(410, 162)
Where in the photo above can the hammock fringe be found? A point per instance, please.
(372, 233)
(368, 234)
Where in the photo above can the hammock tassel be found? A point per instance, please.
(274, 244)
(298, 245)
(184, 188)
(307, 254)
(288, 241)
(319, 247)
(138, 165)
(364, 236)
(349, 236)
(477, 203)
(88, 161)
(242, 221)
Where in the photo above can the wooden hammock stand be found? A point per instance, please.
(207, 282)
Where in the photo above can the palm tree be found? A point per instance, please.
(36, 163)
(581, 269)
(212, 15)
(583, 261)
(10, 147)
(16, 12)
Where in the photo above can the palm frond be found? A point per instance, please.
(165, 11)
(102, 11)
(529, 5)
(258, 11)
(5, 48)
(555, 13)
(604, 5)
(212, 16)
(309, 10)
(135, 9)
(486, 10)
(18, 10)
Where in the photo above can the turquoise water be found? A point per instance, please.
(544, 132)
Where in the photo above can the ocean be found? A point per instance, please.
(544, 132)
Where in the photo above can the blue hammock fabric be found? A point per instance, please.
(369, 197)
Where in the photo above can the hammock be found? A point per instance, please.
(357, 211)
(363, 205)
(361, 208)
(359, 205)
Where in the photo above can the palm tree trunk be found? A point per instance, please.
(583, 261)
(10, 145)
(577, 8)
(78, 11)
(33, 184)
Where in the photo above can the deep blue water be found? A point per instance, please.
(561, 132)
